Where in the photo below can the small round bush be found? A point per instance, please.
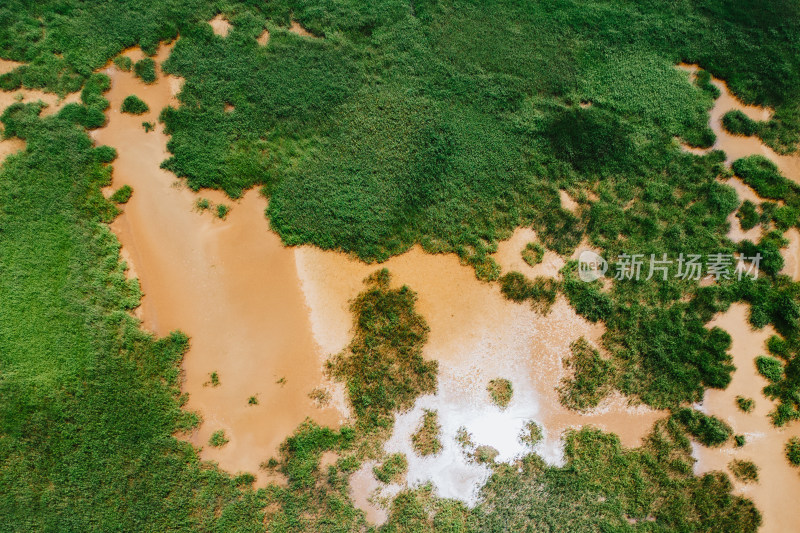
(134, 105)
(222, 211)
(533, 254)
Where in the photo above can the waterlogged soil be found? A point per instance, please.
(776, 492)
(476, 335)
(228, 284)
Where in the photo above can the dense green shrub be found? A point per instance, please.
(747, 215)
(738, 123)
(218, 439)
(134, 105)
(145, 69)
(122, 195)
(105, 154)
(383, 366)
(708, 430)
(769, 367)
(762, 175)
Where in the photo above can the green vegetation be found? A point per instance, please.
(745, 404)
(122, 195)
(501, 391)
(145, 69)
(485, 454)
(426, 439)
(770, 368)
(531, 434)
(252, 400)
(739, 440)
(541, 292)
(392, 469)
(747, 215)
(744, 471)
(222, 211)
(123, 63)
(135, 106)
(90, 403)
(738, 123)
(383, 366)
(793, 451)
(592, 378)
(213, 379)
(218, 439)
(533, 254)
(148, 126)
(708, 430)
(202, 204)
(763, 176)
(320, 396)
(604, 487)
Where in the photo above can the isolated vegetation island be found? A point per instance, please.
(443, 123)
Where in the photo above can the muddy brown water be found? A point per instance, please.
(230, 285)
(779, 483)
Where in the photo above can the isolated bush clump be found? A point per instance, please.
(531, 434)
(745, 404)
(708, 430)
(793, 451)
(501, 391)
(533, 253)
(218, 439)
(745, 471)
(222, 211)
(134, 105)
(426, 439)
(145, 69)
(592, 378)
(122, 195)
(738, 123)
(485, 454)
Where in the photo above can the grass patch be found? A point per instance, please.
(745, 405)
(592, 379)
(426, 439)
(738, 123)
(393, 469)
(744, 471)
(747, 215)
(218, 439)
(501, 391)
(533, 254)
(383, 366)
(123, 63)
